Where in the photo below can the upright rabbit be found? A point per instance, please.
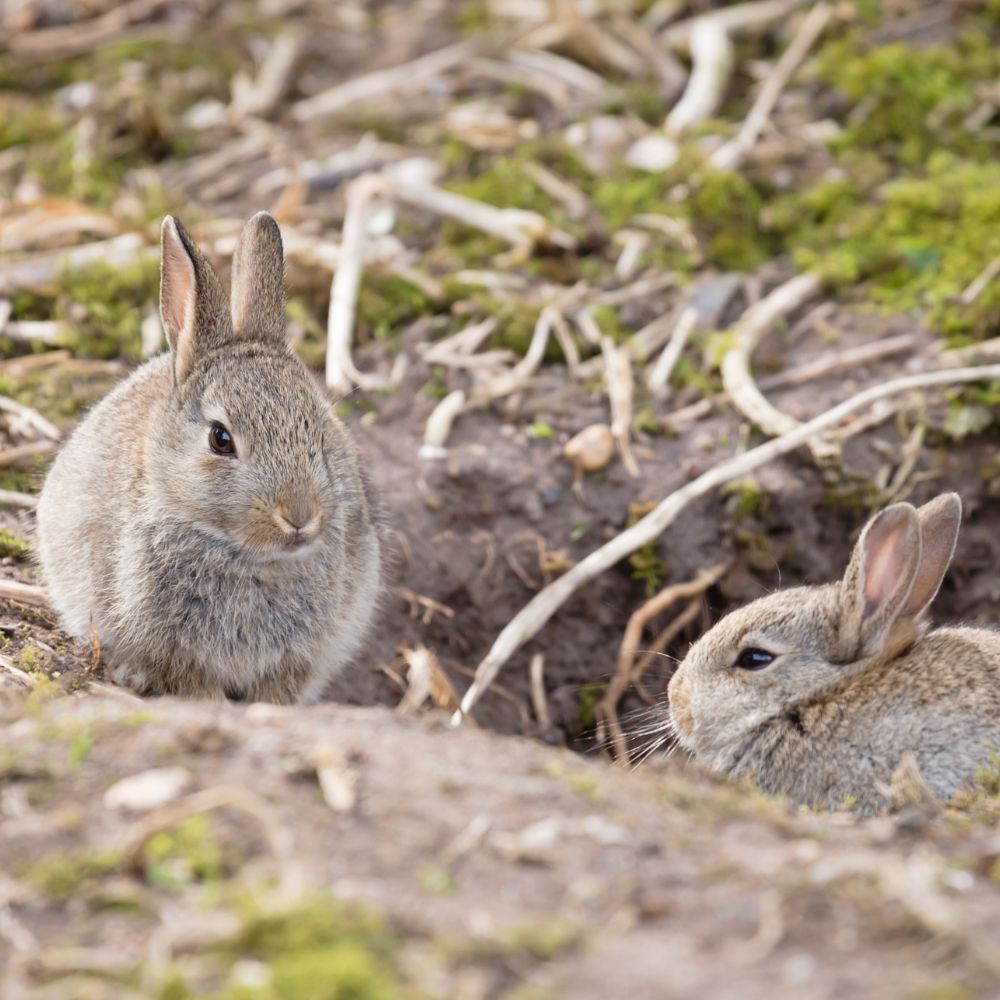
(210, 517)
(818, 692)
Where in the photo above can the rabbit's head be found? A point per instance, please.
(795, 646)
(246, 448)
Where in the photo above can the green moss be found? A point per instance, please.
(186, 853)
(387, 303)
(79, 749)
(63, 876)
(317, 950)
(12, 547)
(30, 658)
(436, 880)
(607, 319)
(620, 197)
(24, 123)
(60, 393)
(748, 496)
(987, 776)
(504, 182)
(588, 695)
(103, 306)
(724, 209)
(915, 102)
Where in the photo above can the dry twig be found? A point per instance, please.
(381, 83)
(712, 64)
(747, 334)
(658, 376)
(618, 368)
(732, 154)
(440, 422)
(341, 372)
(23, 593)
(625, 674)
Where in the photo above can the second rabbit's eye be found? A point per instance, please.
(754, 659)
(220, 440)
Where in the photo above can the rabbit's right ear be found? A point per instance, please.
(939, 522)
(258, 281)
(193, 307)
(879, 579)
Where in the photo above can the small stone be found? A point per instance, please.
(148, 789)
(591, 449)
(654, 153)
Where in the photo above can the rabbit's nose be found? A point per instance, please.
(301, 519)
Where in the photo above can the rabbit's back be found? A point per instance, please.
(94, 489)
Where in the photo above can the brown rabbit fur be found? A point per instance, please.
(210, 516)
(818, 692)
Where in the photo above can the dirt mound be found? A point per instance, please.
(346, 852)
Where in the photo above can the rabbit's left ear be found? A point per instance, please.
(192, 303)
(257, 302)
(879, 579)
(939, 522)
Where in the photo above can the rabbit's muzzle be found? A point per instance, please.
(299, 523)
(680, 706)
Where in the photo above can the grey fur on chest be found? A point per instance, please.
(215, 605)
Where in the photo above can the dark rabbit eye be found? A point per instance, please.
(220, 440)
(754, 659)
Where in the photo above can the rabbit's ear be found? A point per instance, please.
(258, 281)
(939, 520)
(879, 579)
(192, 302)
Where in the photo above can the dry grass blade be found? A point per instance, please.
(712, 64)
(624, 675)
(210, 800)
(11, 498)
(533, 616)
(464, 342)
(29, 420)
(521, 228)
(261, 96)
(34, 331)
(39, 272)
(843, 360)
(16, 455)
(732, 154)
(425, 680)
(736, 18)
(338, 781)
(20, 677)
(618, 369)
(747, 334)
(536, 674)
(382, 82)
(658, 376)
(511, 381)
(341, 373)
(440, 422)
(23, 593)
(82, 36)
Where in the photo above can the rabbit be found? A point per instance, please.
(818, 692)
(209, 519)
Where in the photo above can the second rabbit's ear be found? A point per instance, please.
(193, 306)
(879, 579)
(939, 521)
(258, 281)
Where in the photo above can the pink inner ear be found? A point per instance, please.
(178, 285)
(885, 565)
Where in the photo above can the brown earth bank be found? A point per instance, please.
(339, 852)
